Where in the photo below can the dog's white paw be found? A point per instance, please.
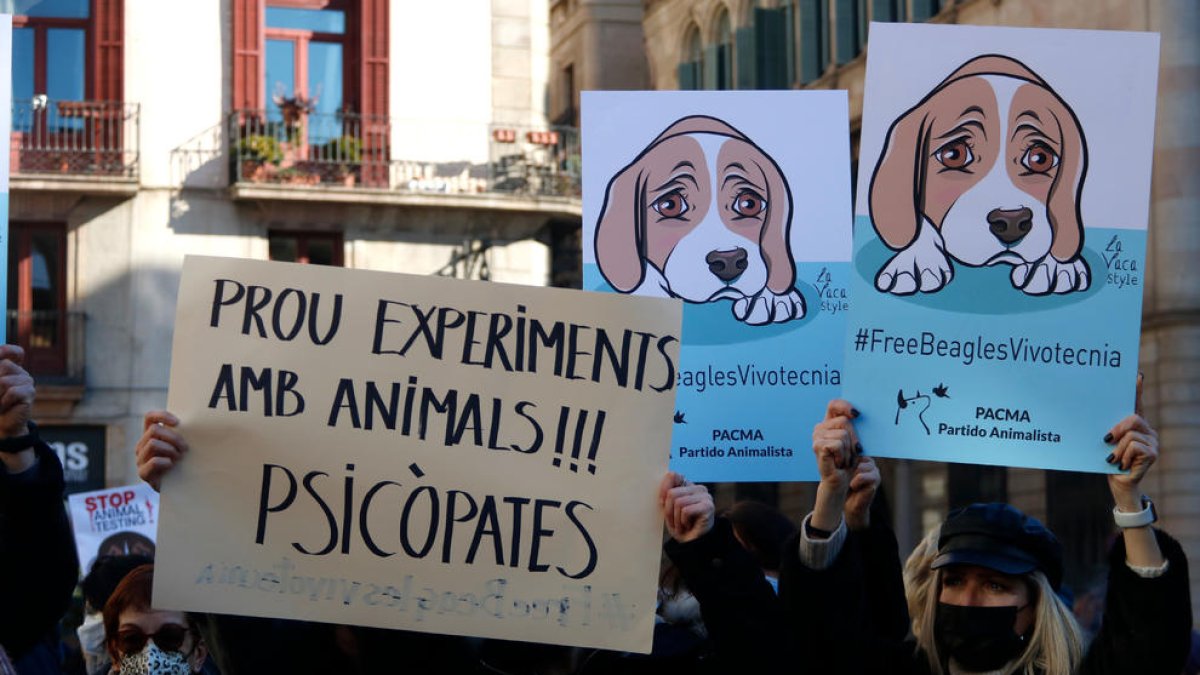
(1051, 276)
(924, 269)
(767, 307)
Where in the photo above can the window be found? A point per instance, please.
(888, 10)
(789, 41)
(306, 65)
(37, 298)
(849, 29)
(691, 70)
(49, 58)
(925, 9)
(723, 67)
(568, 112)
(310, 248)
(814, 39)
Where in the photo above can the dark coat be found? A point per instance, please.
(857, 608)
(38, 565)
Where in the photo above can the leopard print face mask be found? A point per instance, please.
(154, 661)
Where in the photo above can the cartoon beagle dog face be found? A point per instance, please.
(702, 214)
(987, 169)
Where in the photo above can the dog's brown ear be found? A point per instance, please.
(619, 231)
(774, 244)
(897, 186)
(1066, 223)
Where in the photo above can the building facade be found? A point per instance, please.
(381, 134)
(780, 44)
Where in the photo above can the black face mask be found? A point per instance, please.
(978, 638)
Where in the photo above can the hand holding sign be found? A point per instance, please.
(16, 406)
(848, 480)
(160, 446)
(687, 508)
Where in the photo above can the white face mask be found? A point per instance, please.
(91, 634)
(154, 661)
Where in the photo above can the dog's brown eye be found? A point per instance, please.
(671, 205)
(955, 154)
(1039, 158)
(748, 203)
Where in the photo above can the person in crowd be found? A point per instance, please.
(763, 531)
(38, 566)
(107, 571)
(982, 590)
(742, 614)
(142, 640)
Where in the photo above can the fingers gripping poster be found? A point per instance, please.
(999, 242)
(417, 452)
(736, 203)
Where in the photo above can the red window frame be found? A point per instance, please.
(39, 359)
(301, 38)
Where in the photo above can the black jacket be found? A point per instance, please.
(858, 612)
(38, 565)
(744, 617)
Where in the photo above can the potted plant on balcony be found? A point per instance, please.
(345, 153)
(254, 153)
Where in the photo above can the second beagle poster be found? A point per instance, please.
(738, 205)
(1000, 237)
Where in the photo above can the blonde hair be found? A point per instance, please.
(1055, 646)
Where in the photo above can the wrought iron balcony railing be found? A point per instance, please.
(379, 153)
(76, 138)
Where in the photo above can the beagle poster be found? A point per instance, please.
(735, 204)
(999, 242)
(417, 452)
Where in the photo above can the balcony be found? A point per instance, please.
(359, 159)
(54, 344)
(88, 147)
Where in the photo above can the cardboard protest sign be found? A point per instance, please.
(738, 204)
(417, 452)
(999, 241)
(117, 521)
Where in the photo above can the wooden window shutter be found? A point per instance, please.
(248, 67)
(746, 76)
(108, 51)
(373, 30)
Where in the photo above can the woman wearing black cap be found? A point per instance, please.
(982, 589)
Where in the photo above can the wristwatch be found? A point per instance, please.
(17, 444)
(1139, 519)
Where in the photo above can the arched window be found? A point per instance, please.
(814, 39)
(690, 69)
(724, 52)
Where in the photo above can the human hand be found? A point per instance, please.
(837, 448)
(863, 486)
(16, 406)
(16, 393)
(160, 447)
(687, 508)
(1135, 451)
(836, 445)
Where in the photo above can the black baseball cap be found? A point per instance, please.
(1000, 538)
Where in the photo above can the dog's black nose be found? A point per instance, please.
(727, 265)
(1010, 226)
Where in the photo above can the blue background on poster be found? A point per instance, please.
(755, 396)
(1078, 403)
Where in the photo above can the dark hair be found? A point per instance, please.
(763, 530)
(108, 571)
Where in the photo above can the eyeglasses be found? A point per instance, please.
(169, 637)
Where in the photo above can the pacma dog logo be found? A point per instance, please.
(702, 214)
(120, 510)
(987, 169)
